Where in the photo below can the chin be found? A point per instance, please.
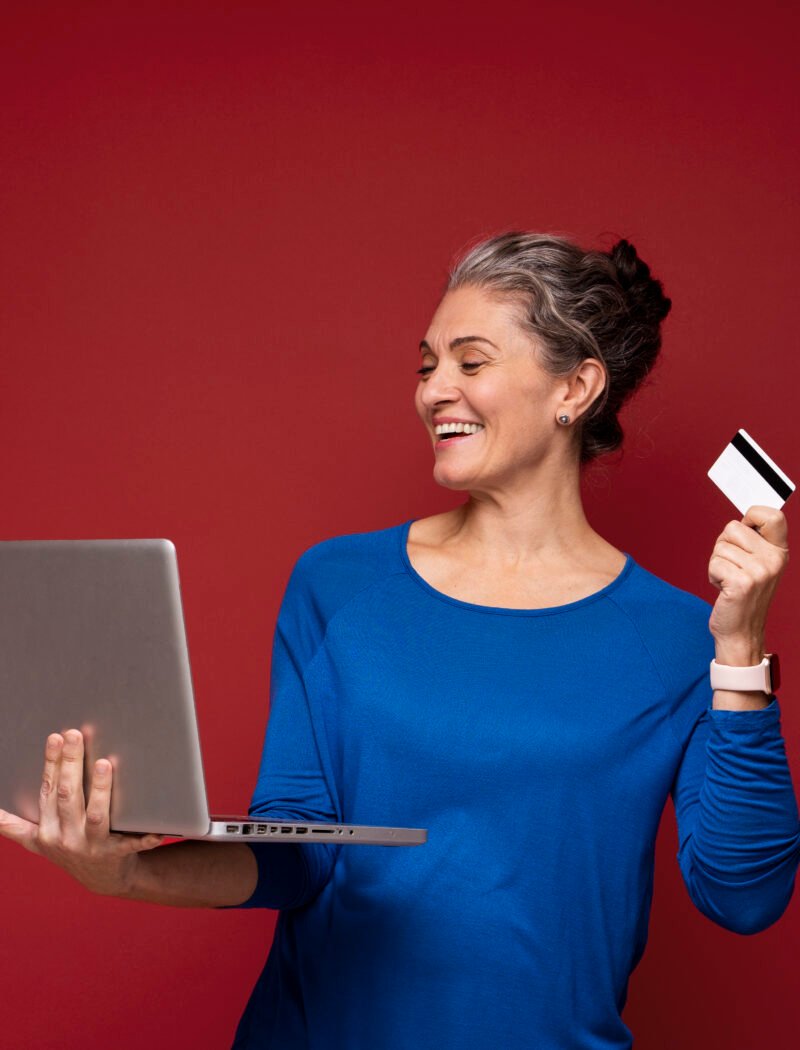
(452, 480)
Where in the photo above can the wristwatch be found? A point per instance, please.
(765, 676)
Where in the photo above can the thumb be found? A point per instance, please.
(19, 830)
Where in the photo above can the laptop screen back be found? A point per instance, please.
(92, 637)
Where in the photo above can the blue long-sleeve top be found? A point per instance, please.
(538, 747)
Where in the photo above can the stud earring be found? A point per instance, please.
(563, 419)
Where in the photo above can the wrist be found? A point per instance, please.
(739, 652)
(129, 886)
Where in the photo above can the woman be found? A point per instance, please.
(505, 677)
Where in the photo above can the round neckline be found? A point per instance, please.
(548, 610)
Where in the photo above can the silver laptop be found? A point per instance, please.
(92, 637)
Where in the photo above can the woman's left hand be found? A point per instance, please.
(746, 565)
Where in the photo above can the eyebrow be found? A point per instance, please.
(461, 339)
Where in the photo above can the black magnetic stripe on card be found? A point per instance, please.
(742, 445)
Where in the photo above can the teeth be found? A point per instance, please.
(458, 428)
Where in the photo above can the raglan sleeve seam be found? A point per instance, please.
(667, 694)
(312, 871)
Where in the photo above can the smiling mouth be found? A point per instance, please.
(451, 439)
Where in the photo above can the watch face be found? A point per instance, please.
(774, 672)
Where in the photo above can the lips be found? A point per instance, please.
(451, 439)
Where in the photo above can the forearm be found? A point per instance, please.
(194, 874)
(741, 844)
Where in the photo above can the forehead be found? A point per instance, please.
(473, 311)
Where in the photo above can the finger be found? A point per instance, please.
(98, 808)
(770, 523)
(737, 532)
(69, 793)
(48, 812)
(761, 567)
(732, 553)
(18, 830)
(140, 843)
(771, 555)
(723, 572)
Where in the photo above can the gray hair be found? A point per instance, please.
(578, 304)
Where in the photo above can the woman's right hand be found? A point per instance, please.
(72, 834)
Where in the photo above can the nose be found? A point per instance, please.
(440, 387)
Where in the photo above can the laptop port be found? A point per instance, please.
(232, 828)
(286, 831)
(273, 828)
(261, 829)
(247, 829)
(322, 831)
(301, 831)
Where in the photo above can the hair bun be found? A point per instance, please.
(645, 293)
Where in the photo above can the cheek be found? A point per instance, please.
(514, 409)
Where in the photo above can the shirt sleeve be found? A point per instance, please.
(291, 782)
(737, 816)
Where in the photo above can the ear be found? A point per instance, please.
(582, 387)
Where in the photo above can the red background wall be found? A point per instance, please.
(225, 228)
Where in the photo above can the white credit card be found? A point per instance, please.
(748, 477)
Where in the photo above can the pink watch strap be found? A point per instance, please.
(742, 679)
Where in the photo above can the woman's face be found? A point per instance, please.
(481, 367)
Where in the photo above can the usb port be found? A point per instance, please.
(301, 831)
(286, 831)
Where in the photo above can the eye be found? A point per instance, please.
(465, 364)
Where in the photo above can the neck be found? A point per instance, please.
(533, 526)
